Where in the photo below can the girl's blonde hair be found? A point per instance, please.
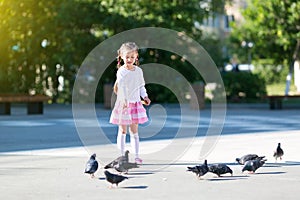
(125, 48)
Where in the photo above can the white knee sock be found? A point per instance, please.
(135, 142)
(121, 141)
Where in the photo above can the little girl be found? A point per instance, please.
(128, 109)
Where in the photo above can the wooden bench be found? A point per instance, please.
(275, 101)
(34, 102)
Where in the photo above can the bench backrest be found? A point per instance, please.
(10, 98)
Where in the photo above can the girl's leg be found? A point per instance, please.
(135, 141)
(121, 139)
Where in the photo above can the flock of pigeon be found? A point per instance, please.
(121, 164)
(251, 163)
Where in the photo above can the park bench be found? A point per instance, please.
(275, 101)
(34, 102)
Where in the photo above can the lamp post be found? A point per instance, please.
(248, 46)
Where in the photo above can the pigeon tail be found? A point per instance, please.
(108, 166)
(192, 169)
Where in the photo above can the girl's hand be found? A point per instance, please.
(147, 101)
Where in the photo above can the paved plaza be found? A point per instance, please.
(44, 156)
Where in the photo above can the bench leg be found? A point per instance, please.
(272, 104)
(5, 109)
(279, 104)
(35, 108)
(275, 104)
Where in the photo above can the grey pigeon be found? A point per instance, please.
(219, 169)
(91, 166)
(125, 166)
(115, 162)
(114, 178)
(253, 165)
(279, 152)
(242, 160)
(199, 170)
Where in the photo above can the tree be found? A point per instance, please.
(274, 28)
(179, 15)
(44, 42)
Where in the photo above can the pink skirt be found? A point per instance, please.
(135, 113)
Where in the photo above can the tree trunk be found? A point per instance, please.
(292, 63)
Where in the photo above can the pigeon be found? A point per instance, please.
(91, 166)
(125, 166)
(279, 152)
(199, 170)
(242, 160)
(219, 169)
(253, 165)
(114, 178)
(123, 159)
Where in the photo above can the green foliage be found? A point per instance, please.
(241, 86)
(44, 41)
(274, 28)
(177, 15)
(214, 48)
(279, 88)
(161, 94)
(271, 72)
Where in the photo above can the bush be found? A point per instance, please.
(243, 86)
(271, 72)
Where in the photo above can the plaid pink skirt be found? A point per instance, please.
(135, 113)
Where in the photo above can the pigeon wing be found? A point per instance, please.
(248, 166)
(247, 157)
(115, 162)
(91, 166)
(219, 169)
(114, 178)
(111, 164)
(202, 169)
(118, 178)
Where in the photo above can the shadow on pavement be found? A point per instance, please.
(140, 173)
(286, 163)
(228, 178)
(269, 173)
(135, 187)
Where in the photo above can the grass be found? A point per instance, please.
(279, 89)
(274, 89)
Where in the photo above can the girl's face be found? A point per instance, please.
(129, 58)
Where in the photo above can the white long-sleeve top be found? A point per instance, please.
(131, 84)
